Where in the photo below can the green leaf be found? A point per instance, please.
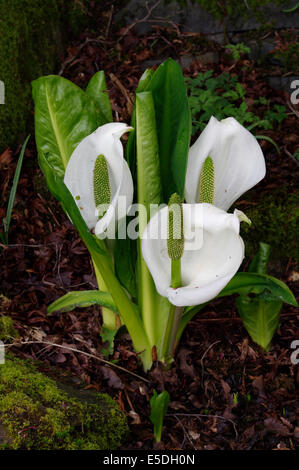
(84, 298)
(97, 90)
(64, 114)
(260, 316)
(125, 250)
(247, 283)
(260, 261)
(148, 165)
(131, 144)
(173, 125)
(159, 405)
(7, 218)
(149, 191)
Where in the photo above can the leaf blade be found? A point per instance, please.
(76, 299)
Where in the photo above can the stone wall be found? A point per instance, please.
(197, 16)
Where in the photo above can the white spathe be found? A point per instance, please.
(79, 175)
(239, 162)
(206, 267)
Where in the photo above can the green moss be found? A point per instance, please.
(274, 221)
(30, 43)
(36, 414)
(7, 330)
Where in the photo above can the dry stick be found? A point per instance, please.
(294, 111)
(203, 356)
(149, 12)
(71, 59)
(292, 156)
(198, 415)
(124, 92)
(109, 22)
(78, 351)
(186, 434)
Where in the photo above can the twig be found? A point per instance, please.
(109, 21)
(198, 415)
(203, 356)
(294, 111)
(71, 59)
(69, 348)
(292, 156)
(143, 20)
(124, 92)
(186, 434)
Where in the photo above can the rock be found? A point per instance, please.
(40, 413)
(207, 17)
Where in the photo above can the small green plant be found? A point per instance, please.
(159, 404)
(238, 50)
(236, 398)
(6, 220)
(223, 96)
(260, 313)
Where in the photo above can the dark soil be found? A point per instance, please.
(225, 392)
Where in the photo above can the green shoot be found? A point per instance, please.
(159, 404)
(7, 219)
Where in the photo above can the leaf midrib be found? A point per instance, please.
(59, 142)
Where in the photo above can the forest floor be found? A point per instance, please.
(225, 392)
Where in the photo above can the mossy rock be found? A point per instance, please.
(274, 221)
(7, 330)
(30, 43)
(36, 414)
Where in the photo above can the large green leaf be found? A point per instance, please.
(97, 90)
(260, 316)
(125, 250)
(64, 114)
(84, 298)
(244, 284)
(131, 144)
(254, 283)
(173, 125)
(149, 189)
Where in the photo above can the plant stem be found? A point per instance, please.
(109, 317)
(176, 279)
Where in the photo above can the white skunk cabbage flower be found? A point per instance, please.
(213, 253)
(238, 161)
(98, 177)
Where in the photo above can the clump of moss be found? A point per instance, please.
(37, 414)
(274, 221)
(7, 330)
